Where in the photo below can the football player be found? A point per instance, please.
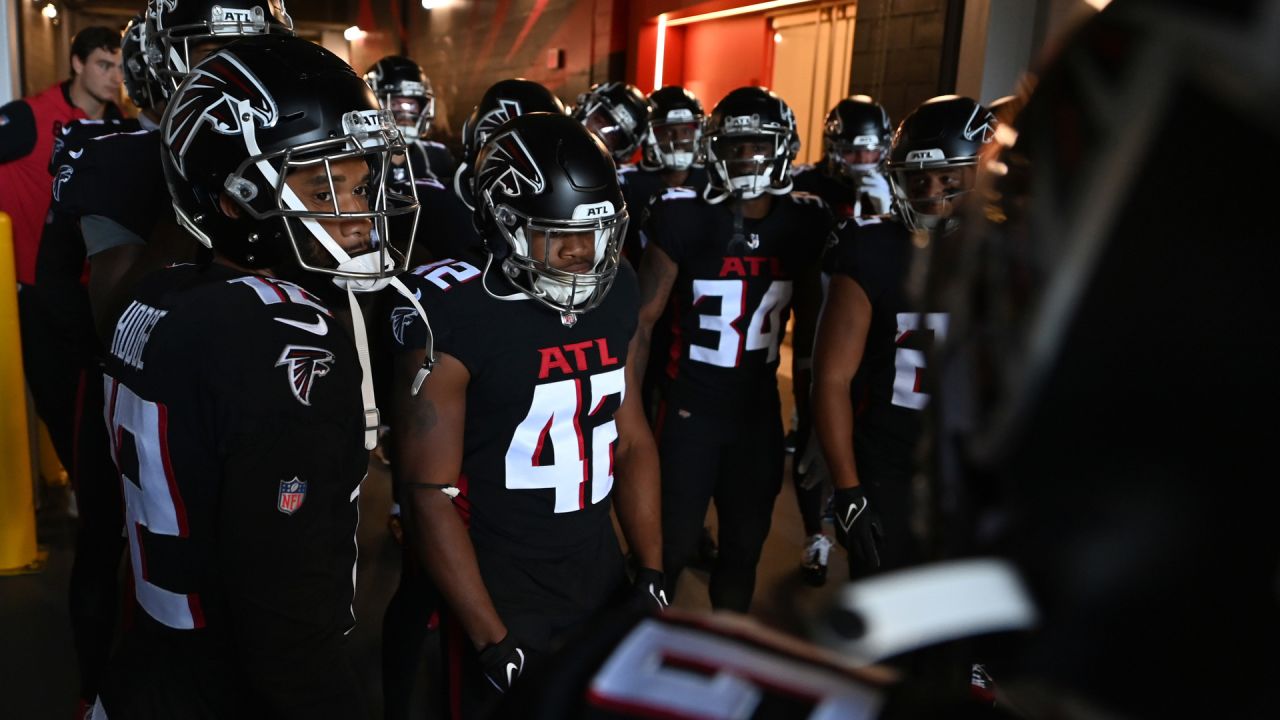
(617, 113)
(516, 445)
(873, 338)
(405, 91)
(732, 259)
(127, 230)
(668, 158)
(448, 233)
(236, 401)
(851, 177)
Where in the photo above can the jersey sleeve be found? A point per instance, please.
(668, 223)
(440, 286)
(115, 177)
(286, 412)
(855, 256)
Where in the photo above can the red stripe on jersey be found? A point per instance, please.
(197, 610)
(180, 508)
(582, 447)
(676, 349)
(742, 336)
(542, 438)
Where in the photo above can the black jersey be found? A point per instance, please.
(732, 300)
(234, 404)
(537, 467)
(117, 176)
(61, 255)
(887, 389)
(639, 188)
(816, 180)
(429, 159)
(445, 226)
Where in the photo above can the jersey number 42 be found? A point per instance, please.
(556, 415)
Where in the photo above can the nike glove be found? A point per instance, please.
(858, 530)
(503, 663)
(647, 591)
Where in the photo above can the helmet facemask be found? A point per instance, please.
(616, 129)
(309, 183)
(747, 164)
(853, 157)
(672, 143)
(413, 107)
(536, 243)
(931, 197)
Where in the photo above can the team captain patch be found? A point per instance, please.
(292, 493)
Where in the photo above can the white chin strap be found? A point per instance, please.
(367, 262)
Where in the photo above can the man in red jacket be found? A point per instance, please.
(28, 126)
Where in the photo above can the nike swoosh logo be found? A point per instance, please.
(75, 154)
(319, 327)
(850, 515)
(513, 670)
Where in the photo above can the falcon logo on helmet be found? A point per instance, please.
(223, 94)
(511, 168)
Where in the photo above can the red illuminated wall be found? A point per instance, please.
(721, 55)
(709, 58)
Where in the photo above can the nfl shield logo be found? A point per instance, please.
(292, 493)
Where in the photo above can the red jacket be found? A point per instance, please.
(25, 183)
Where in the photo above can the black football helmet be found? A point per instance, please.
(677, 116)
(749, 141)
(181, 26)
(948, 132)
(543, 176)
(263, 110)
(857, 123)
(617, 113)
(142, 85)
(405, 91)
(503, 100)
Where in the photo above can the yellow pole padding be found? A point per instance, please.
(51, 468)
(17, 506)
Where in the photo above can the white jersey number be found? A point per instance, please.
(764, 332)
(139, 429)
(555, 416)
(909, 363)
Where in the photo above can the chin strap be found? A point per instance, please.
(371, 416)
(739, 237)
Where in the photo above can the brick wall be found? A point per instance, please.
(897, 52)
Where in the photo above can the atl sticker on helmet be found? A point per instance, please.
(226, 15)
(590, 211)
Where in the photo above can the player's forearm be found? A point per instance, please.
(638, 502)
(445, 548)
(833, 421)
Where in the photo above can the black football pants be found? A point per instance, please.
(738, 462)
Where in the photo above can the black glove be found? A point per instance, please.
(647, 591)
(503, 663)
(858, 530)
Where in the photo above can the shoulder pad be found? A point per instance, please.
(679, 193)
(867, 220)
(430, 182)
(447, 273)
